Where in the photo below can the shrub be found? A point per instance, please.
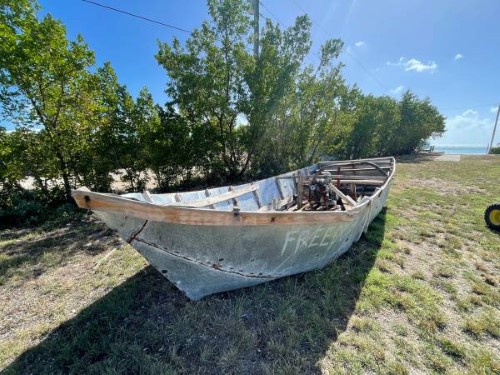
(20, 207)
(495, 150)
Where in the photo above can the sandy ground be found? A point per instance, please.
(118, 185)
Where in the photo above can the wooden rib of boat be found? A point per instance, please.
(226, 238)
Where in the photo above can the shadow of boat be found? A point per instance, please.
(146, 325)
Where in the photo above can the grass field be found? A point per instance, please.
(418, 294)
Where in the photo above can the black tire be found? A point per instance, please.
(492, 216)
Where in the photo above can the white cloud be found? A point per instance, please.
(493, 109)
(459, 56)
(415, 65)
(467, 128)
(470, 113)
(359, 44)
(397, 90)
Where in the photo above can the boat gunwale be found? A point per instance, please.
(209, 216)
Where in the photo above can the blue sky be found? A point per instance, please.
(447, 50)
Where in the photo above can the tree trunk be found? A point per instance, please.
(65, 176)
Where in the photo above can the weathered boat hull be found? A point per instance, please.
(203, 259)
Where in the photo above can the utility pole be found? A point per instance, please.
(255, 9)
(494, 130)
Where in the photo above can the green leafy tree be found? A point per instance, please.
(272, 83)
(232, 115)
(144, 115)
(259, 113)
(169, 151)
(101, 129)
(374, 118)
(419, 120)
(42, 75)
(207, 86)
(322, 96)
(28, 158)
(12, 168)
(383, 126)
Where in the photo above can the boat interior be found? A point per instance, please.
(325, 186)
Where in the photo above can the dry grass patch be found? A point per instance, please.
(47, 275)
(418, 294)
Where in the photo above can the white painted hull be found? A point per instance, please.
(202, 259)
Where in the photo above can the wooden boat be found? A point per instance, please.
(226, 238)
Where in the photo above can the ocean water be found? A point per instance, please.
(463, 150)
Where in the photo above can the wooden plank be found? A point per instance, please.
(207, 194)
(300, 190)
(355, 169)
(355, 177)
(366, 180)
(363, 182)
(346, 198)
(280, 189)
(353, 191)
(193, 216)
(177, 214)
(198, 203)
(147, 196)
(386, 160)
(257, 198)
(351, 166)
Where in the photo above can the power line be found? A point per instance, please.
(367, 71)
(271, 13)
(137, 16)
(373, 76)
(140, 17)
(300, 8)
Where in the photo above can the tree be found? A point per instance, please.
(232, 115)
(374, 118)
(43, 77)
(169, 151)
(144, 116)
(247, 107)
(11, 167)
(206, 83)
(115, 140)
(419, 120)
(272, 84)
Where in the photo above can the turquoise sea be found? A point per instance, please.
(464, 150)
